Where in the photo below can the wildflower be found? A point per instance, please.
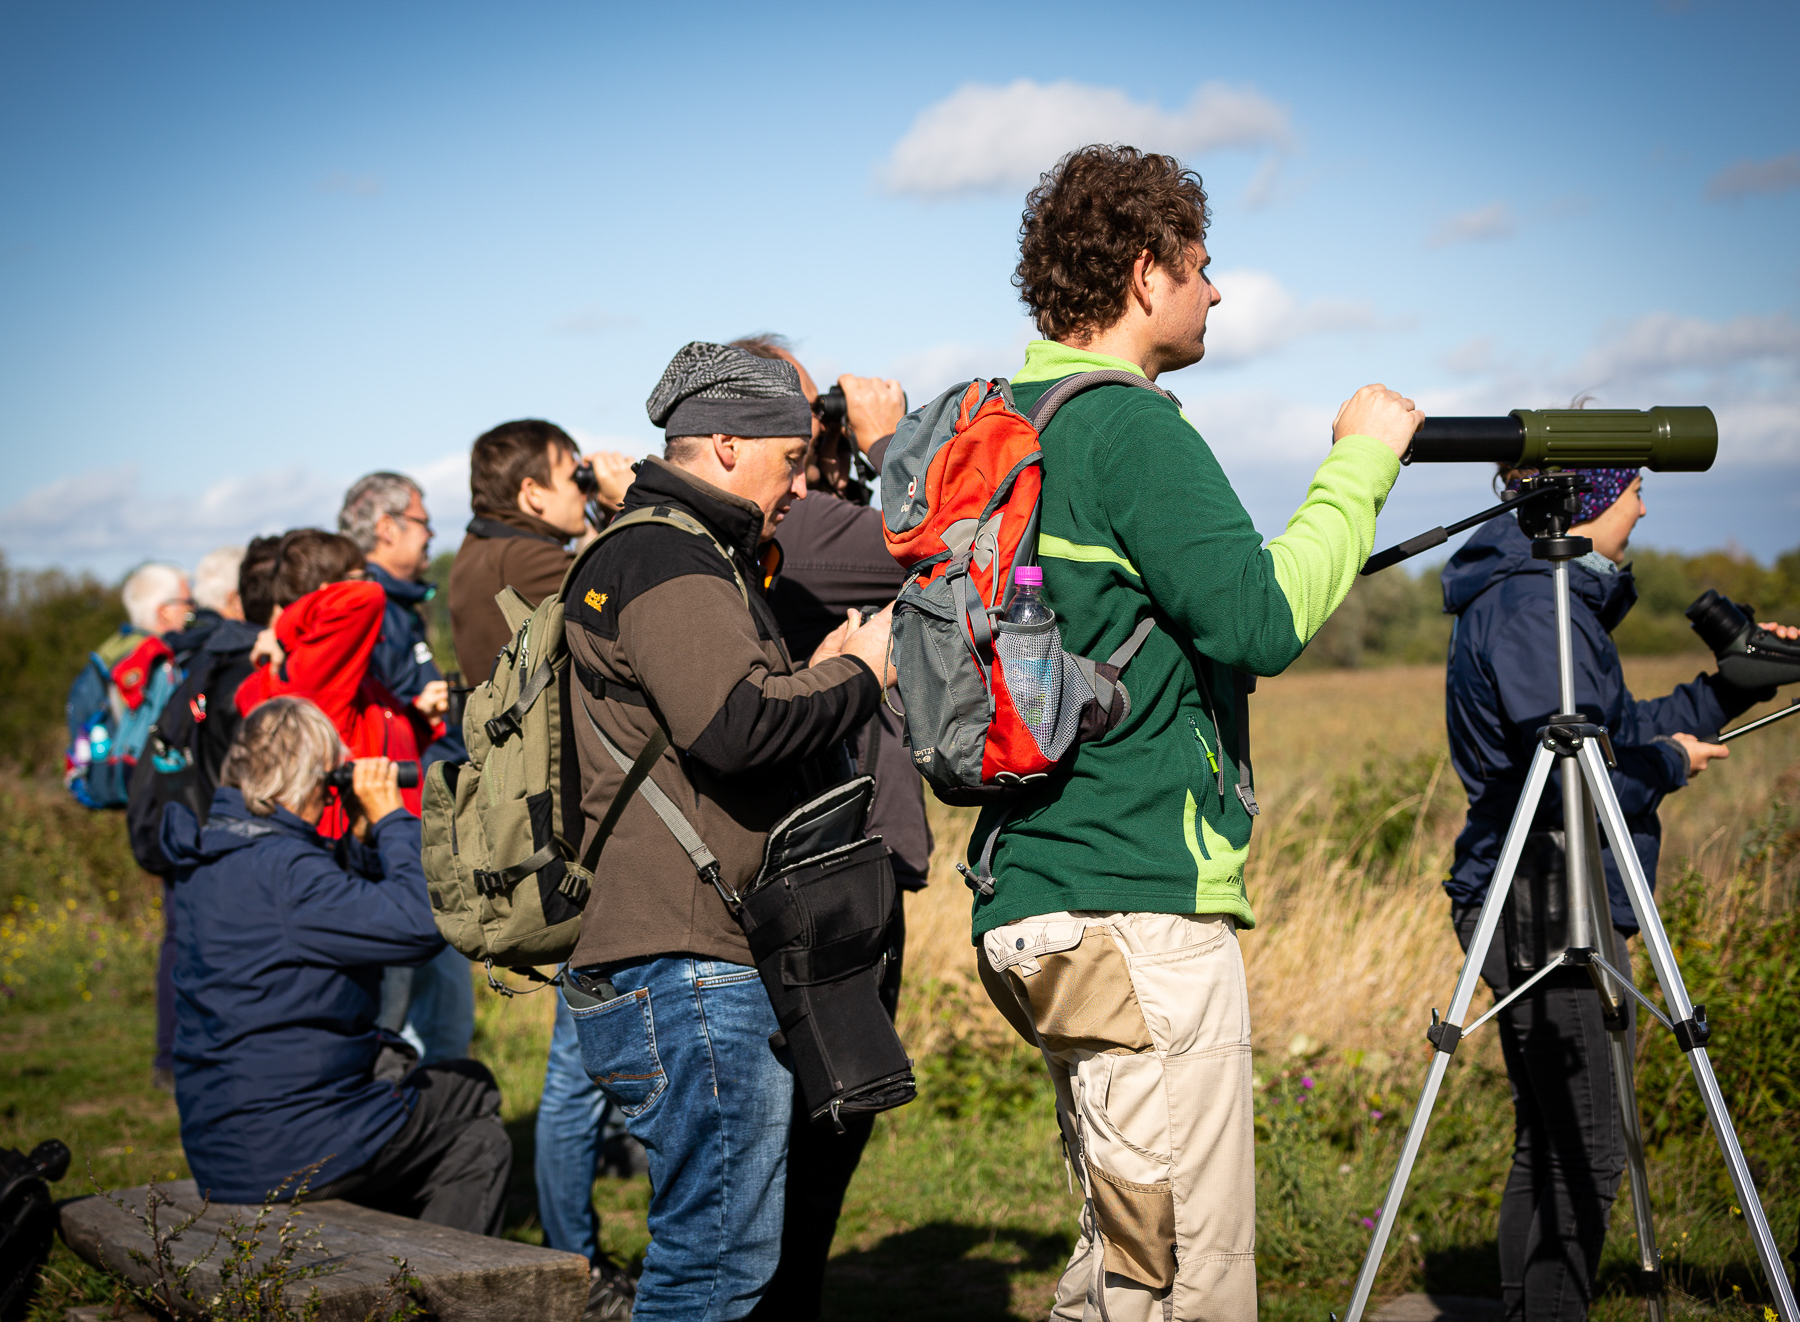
(1367, 1224)
(1306, 1082)
(1374, 1115)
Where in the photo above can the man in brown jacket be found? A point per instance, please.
(527, 506)
(670, 630)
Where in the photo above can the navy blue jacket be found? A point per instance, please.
(1502, 688)
(402, 658)
(278, 960)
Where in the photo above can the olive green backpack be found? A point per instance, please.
(507, 886)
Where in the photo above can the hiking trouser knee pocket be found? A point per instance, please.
(618, 1050)
(1123, 1117)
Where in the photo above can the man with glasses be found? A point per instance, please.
(433, 1005)
(384, 514)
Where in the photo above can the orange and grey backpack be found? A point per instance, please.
(992, 708)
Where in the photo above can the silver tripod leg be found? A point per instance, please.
(1450, 1031)
(1649, 1256)
(1591, 925)
(1690, 1033)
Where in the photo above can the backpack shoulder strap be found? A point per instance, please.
(668, 516)
(1069, 387)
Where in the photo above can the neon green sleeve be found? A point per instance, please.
(1332, 533)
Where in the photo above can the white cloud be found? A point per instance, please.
(1746, 368)
(927, 373)
(1735, 182)
(1494, 221)
(1257, 315)
(592, 321)
(360, 185)
(1662, 343)
(105, 518)
(983, 137)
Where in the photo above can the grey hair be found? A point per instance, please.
(216, 577)
(148, 588)
(283, 749)
(369, 499)
(684, 449)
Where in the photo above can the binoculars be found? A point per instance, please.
(1664, 440)
(340, 778)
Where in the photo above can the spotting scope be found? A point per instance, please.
(1664, 440)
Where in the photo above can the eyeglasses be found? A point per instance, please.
(423, 523)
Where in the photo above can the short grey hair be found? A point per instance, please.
(283, 749)
(148, 588)
(216, 577)
(369, 499)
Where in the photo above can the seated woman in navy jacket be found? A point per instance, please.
(279, 1067)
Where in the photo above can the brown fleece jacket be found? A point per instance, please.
(656, 611)
(507, 549)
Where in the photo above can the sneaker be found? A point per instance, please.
(610, 1295)
(163, 1081)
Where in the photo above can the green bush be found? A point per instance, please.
(49, 622)
(1397, 618)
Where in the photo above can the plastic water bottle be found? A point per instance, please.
(1028, 601)
(1033, 662)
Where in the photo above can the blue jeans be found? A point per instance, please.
(569, 1121)
(683, 1051)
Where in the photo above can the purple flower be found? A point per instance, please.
(1306, 1082)
(1367, 1224)
(1374, 1115)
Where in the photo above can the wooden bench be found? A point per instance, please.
(462, 1277)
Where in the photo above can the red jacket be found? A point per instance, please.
(328, 636)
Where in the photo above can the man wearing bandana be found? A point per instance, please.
(1502, 687)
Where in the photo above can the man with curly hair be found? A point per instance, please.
(1110, 939)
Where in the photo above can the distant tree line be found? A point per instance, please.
(50, 620)
(1398, 618)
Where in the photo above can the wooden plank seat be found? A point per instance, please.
(462, 1277)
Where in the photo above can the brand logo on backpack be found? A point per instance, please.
(595, 600)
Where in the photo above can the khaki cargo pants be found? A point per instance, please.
(1144, 1020)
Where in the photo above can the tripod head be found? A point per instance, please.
(1551, 504)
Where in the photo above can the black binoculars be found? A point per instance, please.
(1749, 656)
(340, 778)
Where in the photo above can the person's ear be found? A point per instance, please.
(725, 450)
(1143, 271)
(531, 497)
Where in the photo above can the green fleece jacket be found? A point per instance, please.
(1139, 520)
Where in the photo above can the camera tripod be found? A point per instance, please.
(1582, 752)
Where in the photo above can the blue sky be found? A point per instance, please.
(248, 253)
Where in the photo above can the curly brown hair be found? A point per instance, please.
(1087, 221)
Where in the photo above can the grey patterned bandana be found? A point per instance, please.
(714, 388)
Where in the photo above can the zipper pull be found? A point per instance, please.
(1211, 761)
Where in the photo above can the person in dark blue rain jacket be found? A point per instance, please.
(282, 936)
(1501, 689)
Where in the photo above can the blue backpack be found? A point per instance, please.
(113, 706)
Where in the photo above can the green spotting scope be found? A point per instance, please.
(1664, 439)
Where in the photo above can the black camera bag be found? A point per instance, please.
(824, 923)
(823, 931)
(27, 1221)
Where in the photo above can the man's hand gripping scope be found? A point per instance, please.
(1384, 414)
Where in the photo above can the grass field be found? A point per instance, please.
(961, 1210)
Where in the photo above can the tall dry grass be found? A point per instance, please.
(1360, 811)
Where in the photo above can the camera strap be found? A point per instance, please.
(637, 779)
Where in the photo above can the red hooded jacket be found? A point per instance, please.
(328, 636)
